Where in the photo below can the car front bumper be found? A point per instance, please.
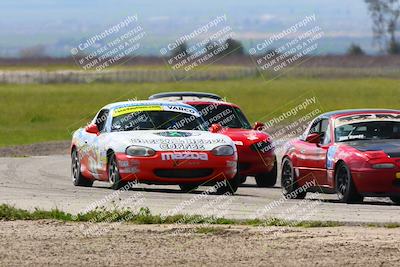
(377, 182)
(155, 170)
(253, 163)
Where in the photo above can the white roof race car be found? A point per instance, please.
(152, 142)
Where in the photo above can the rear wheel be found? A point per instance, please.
(268, 179)
(77, 178)
(396, 200)
(290, 189)
(114, 177)
(345, 187)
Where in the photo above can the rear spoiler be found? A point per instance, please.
(181, 95)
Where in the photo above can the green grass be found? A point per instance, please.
(37, 113)
(281, 222)
(144, 216)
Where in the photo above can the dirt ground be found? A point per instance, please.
(57, 243)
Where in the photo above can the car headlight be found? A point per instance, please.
(383, 166)
(223, 151)
(140, 151)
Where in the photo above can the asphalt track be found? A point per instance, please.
(44, 182)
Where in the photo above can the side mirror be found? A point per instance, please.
(259, 126)
(92, 128)
(313, 138)
(215, 128)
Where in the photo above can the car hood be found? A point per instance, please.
(244, 136)
(167, 140)
(390, 146)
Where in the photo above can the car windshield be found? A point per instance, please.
(156, 120)
(367, 131)
(227, 116)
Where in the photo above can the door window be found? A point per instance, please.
(325, 132)
(315, 127)
(101, 119)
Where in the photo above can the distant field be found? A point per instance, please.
(62, 67)
(37, 113)
(155, 70)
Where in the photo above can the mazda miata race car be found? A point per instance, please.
(152, 142)
(256, 156)
(354, 153)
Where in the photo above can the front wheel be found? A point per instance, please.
(396, 200)
(114, 177)
(268, 179)
(77, 178)
(290, 189)
(188, 187)
(230, 186)
(345, 187)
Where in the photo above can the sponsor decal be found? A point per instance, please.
(251, 136)
(130, 170)
(131, 109)
(180, 109)
(350, 137)
(184, 156)
(179, 143)
(182, 146)
(174, 134)
(182, 140)
(330, 156)
(127, 109)
(367, 118)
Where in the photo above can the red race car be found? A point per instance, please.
(354, 153)
(255, 148)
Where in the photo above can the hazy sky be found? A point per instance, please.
(55, 22)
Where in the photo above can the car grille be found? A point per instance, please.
(183, 173)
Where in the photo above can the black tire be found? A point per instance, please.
(290, 189)
(77, 178)
(243, 179)
(268, 179)
(396, 200)
(345, 187)
(231, 185)
(114, 177)
(188, 187)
